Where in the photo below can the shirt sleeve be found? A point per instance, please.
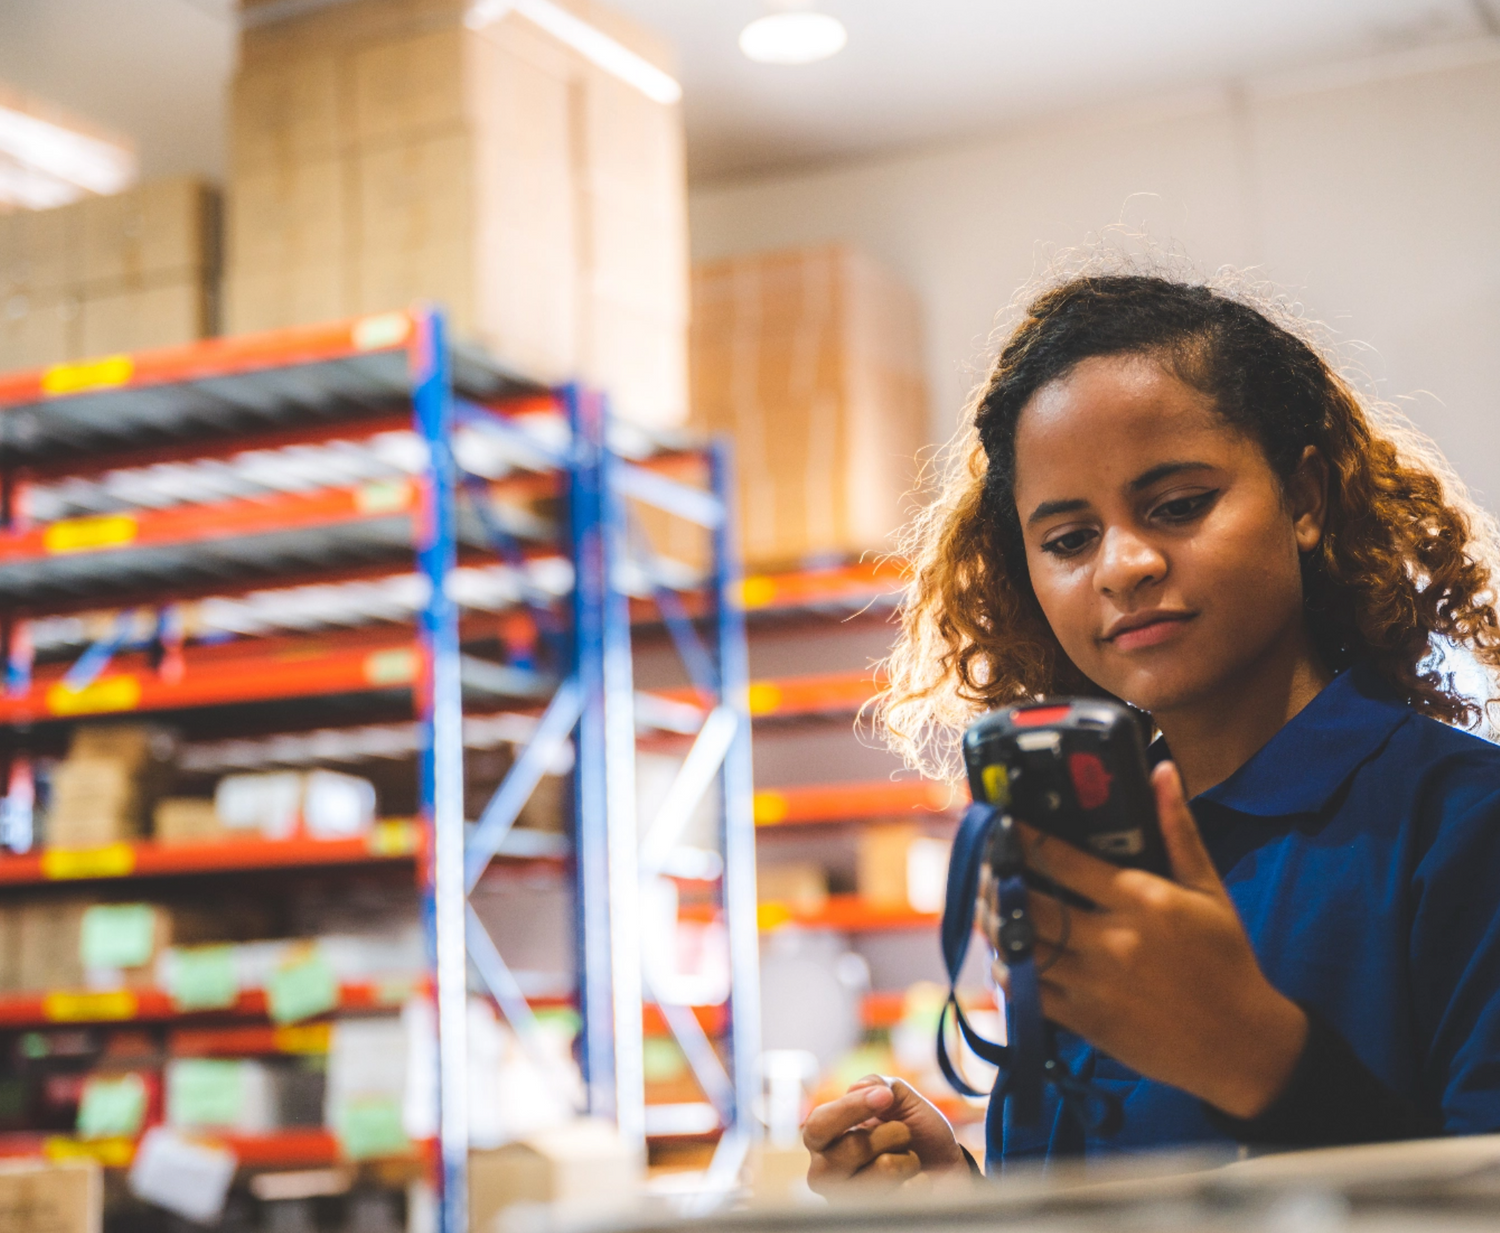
(1454, 956)
(1331, 1098)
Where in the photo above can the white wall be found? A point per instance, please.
(1369, 191)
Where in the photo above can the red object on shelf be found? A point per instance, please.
(847, 802)
(394, 840)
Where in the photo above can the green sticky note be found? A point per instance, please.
(370, 1126)
(112, 1107)
(117, 935)
(205, 1092)
(303, 986)
(203, 978)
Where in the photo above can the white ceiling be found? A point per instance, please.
(914, 71)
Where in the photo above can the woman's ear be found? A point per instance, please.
(1307, 495)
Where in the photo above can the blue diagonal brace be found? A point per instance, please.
(506, 990)
(515, 790)
(86, 669)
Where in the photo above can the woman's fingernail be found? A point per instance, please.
(879, 1097)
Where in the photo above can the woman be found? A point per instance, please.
(1167, 497)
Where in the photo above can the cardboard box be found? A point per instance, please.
(800, 885)
(811, 361)
(48, 954)
(95, 801)
(286, 113)
(10, 947)
(269, 299)
(581, 1169)
(38, 1196)
(898, 866)
(290, 214)
(495, 172)
(37, 329)
(58, 946)
(186, 819)
(40, 250)
(162, 227)
(139, 317)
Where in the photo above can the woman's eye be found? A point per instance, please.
(1069, 543)
(1183, 509)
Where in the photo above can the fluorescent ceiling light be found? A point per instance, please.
(793, 38)
(44, 162)
(588, 41)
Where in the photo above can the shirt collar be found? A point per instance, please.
(1302, 767)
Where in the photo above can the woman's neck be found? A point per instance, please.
(1213, 738)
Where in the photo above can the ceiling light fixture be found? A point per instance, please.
(45, 161)
(798, 37)
(587, 40)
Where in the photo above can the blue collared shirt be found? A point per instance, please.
(1361, 847)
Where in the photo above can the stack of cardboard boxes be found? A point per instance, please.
(384, 152)
(103, 790)
(131, 271)
(811, 361)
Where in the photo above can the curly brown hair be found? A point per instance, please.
(1404, 565)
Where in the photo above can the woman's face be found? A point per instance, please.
(1162, 548)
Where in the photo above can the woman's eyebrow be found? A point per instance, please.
(1047, 508)
(1144, 480)
(1160, 472)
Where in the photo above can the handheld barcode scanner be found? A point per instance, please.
(1074, 768)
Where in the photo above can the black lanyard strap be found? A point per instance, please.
(1028, 1060)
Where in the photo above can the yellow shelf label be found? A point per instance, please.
(90, 534)
(771, 916)
(100, 374)
(111, 693)
(308, 1038)
(769, 808)
(112, 1153)
(757, 591)
(393, 838)
(765, 697)
(90, 1007)
(393, 667)
(114, 860)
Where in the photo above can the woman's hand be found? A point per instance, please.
(881, 1133)
(1162, 976)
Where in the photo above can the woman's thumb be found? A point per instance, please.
(1191, 864)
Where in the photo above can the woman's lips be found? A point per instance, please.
(1153, 633)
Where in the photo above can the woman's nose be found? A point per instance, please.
(1126, 562)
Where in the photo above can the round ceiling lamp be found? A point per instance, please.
(798, 37)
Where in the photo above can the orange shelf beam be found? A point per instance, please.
(303, 1147)
(258, 671)
(828, 693)
(851, 802)
(831, 693)
(807, 588)
(70, 1006)
(847, 914)
(213, 357)
(196, 524)
(886, 1008)
(391, 840)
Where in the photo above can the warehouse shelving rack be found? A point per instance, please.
(202, 418)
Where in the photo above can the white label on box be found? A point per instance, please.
(188, 1178)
